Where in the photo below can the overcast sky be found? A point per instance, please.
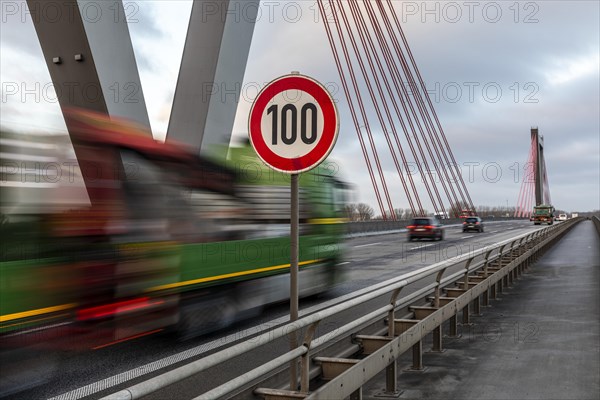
(543, 55)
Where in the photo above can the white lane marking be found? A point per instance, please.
(344, 263)
(466, 237)
(493, 231)
(370, 244)
(420, 247)
(42, 328)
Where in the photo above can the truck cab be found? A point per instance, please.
(543, 213)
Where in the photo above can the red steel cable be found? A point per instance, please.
(385, 47)
(374, 98)
(444, 177)
(519, 211)
(530, 180)
(433, 134)
(351, 106)
(404, 100)
(398, 113)
(363, 112)
(426, 94)
(366, 39)
(520, 199)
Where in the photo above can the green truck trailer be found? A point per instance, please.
(169, 242)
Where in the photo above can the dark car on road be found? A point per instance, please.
(472, 224)
(425, 228)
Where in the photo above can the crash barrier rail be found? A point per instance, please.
(596, 222)
(383, 226)
(484, 273)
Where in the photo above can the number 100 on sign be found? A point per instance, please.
(293, 124)
(285, 124)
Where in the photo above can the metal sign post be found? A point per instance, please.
(294, 238)
(293, 126)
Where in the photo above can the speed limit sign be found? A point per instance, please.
(293, 124)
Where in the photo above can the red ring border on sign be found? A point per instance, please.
(330, 124)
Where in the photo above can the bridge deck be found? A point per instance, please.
(540, 340)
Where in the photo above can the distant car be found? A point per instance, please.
(467, 213)
(425, 228)
(472, 224)
(441, 215)
(562, 217)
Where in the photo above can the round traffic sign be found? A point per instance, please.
(293, 124)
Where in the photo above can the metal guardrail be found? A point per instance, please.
(596, 222)
(484, 272)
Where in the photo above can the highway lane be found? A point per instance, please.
(374, 259)
(369, 260)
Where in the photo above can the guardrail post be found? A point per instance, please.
(392, 312)
(517, 272)
(486, 298)
(465, 311)
(522, 250)
(486, 262)
(537, 248)
(391, 371)
(438, 279)
(476, 306)
(513, 256)
(531, 245)
(465, 315)
(498, 287)
(466, 279)
(357, 395)
(519, 253)
(511, 273)
(437, 345)
(536, 242)
(527, 248)
(453, 327)
(486, 294)
(294, 363)
(508, 277)
(417, 356)
(305, 359)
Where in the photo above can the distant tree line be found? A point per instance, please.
(359, 212)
